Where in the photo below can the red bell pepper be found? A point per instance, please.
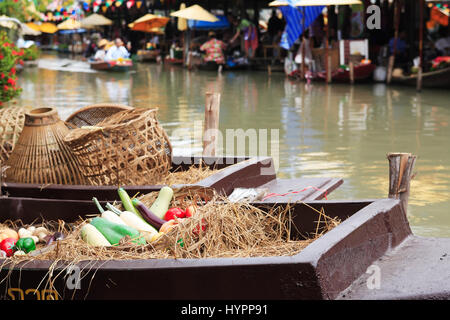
(8, 245)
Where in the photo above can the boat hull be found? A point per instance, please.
(323, 269)
(434, 79)
(105, 66)
(234, 172)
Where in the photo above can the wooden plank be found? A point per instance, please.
(301, 189)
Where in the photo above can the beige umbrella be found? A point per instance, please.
(8, 22)
(195, 12)
(69, 24)
(27, 31)
(182, 23)
(95, 20)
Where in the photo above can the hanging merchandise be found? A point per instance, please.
(130, 4)
(357, 21)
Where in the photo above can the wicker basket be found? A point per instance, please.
(93, 114)
(11, 124)
(40, 155)
(128, 148)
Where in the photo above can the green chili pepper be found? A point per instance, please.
(25, 244)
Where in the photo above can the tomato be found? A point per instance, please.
(196, 230)
(174, 212)
(190, 211)
(8, 245)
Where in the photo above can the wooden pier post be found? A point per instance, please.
(352, 72)
(419, 74)
(401, 166)
(211, 125)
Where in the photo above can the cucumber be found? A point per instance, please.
(92, 236)
(113, 232)
(161, 204)
(126, 202)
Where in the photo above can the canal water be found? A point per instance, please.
(314, 130)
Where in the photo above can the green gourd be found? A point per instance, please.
(113, 232)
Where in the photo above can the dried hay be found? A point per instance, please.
(193, 175)
(231, 230)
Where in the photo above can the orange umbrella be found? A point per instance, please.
(48, 27)
(148, 22)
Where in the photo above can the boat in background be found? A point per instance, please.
(148, 55)
(433, 79)
(119, 65)
(362, 72)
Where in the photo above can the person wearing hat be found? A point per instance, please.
(101, 52)
(117, 51)
(214, 49)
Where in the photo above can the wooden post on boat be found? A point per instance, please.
(401, 166)
(211, 126)
(419, 74)
(303, 45)
(352, 72)
(391, 61)
(327, 53)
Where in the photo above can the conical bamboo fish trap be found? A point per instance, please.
(11, 124)
(40, 155)
(128, 148)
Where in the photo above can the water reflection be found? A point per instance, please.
(335, 130)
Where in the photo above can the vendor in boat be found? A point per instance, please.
(250, 36)
(117, 51)
(214, 49)
(100, 54)
(401, 48)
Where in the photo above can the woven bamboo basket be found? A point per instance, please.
(93, 114)
(40, 155)
(11, 124)
(128, 148)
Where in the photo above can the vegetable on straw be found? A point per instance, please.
(126, 202)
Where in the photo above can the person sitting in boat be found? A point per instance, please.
(100, 54)
(214, 49)
(117, 51)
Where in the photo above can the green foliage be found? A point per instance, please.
(10, 56)
(13, 9)
(31, 53)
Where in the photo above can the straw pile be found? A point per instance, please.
(193, 175)
(230, 230)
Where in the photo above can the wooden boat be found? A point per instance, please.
(341, 264)
(147, 55)
(124, 66)
(433, 79)
(235, 172)
(324, 269)
(173, 61)
(362, 72)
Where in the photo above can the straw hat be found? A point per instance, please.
(102, 43)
